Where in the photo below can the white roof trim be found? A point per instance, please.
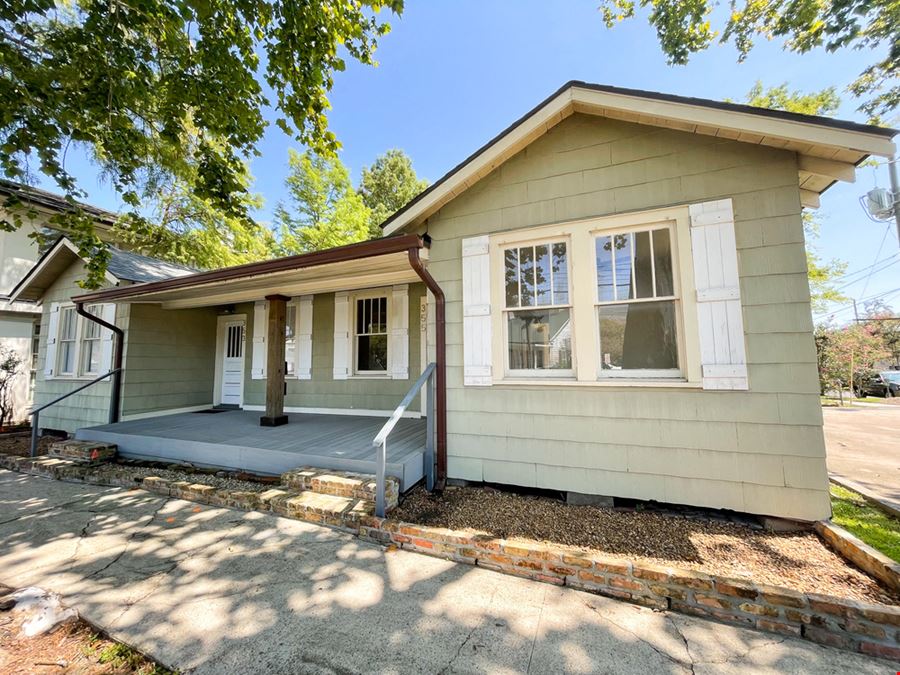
(751, 127)
(62, 244)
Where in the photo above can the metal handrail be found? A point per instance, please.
(380, 441)
(36, 412)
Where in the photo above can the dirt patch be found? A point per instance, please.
(73, 647)
(19, 444)
(733, 549)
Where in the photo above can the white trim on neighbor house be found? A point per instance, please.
(221, 322)
(361, 412)
(163, 413)
(840, 149)
(47, 259)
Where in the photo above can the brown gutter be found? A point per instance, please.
(441, 362)
(115, 395)
(365, 249)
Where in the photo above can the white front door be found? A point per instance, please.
(232, 375)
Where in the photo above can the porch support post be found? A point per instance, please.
(275, 336)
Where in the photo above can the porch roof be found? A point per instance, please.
(363, 265)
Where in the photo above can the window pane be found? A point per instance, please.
(511, 276)
(542, 271)
(67, 357)
(290, 322)
(643, 266)
(67, 325)
(603, 255)
(371, 352)
(90, 356)
(624, 258)
(290, 357)
(526, 276)
(540, 339)
(560, 275)
(382, 315)
(662, 260)
(638, 335)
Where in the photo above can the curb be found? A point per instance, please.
(869, 560)
(874, 499)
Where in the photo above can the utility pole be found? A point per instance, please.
(855, 312)
(895, 191)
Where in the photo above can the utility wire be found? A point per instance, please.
(883, 239)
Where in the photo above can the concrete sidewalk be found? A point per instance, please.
(212, 590)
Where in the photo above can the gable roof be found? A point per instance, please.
(123, 266)
(128, 266)
(828, 149)
(53, 202)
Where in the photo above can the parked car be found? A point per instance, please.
(885, 383)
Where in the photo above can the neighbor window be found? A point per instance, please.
(90, 343)
(290, 341)
(371, 335)
(80, 344)
(537, 308)
(636, 304)
(68, 340)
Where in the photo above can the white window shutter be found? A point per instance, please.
(258, 356)
(476, 281)
(52, 337)
(398, 316)
(721, 326)
(108, 314)
(341, 335)
(304, 337)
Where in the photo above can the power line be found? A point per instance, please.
(868, 278)
(844, 308)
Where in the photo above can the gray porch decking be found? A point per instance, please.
(235, 440)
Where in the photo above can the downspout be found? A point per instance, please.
(115, 395)
(441, 364)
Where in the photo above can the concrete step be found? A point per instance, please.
(341, 484)
(84, 452)
(316, 507)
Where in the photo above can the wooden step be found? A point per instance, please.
(341, 484)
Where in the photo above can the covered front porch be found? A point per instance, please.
(234, 439)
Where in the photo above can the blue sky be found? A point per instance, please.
(452, 74)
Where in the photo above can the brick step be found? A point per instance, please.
(341, 484)
(317, 507)
(84, 452)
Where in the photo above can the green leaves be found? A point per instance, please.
(325, 212)
(388, 185)
(132, 80)
(684, 29)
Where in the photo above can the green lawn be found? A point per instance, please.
(829, 402)
(872, 525)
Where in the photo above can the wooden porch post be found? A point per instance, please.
(275, 336)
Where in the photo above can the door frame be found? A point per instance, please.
(221, 320)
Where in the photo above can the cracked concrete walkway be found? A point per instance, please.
(211, 590)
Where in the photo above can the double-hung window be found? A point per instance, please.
(371, 336)
(637, 303)
(68, 341)
(537, 310)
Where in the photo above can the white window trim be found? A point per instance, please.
(542, 373)
(387, 293)
(583, 298)
(79, 373)
(674, 374)
(295, 303)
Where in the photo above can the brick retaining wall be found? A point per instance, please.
(848, 624)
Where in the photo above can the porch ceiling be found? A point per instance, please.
(366, 265)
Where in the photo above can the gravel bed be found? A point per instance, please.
(19, 444)
(224, 482)
(796, 560)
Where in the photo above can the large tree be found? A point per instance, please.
(388, 185)
(822, 273)
(325, 210)
(170, 86)
(685, 28)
